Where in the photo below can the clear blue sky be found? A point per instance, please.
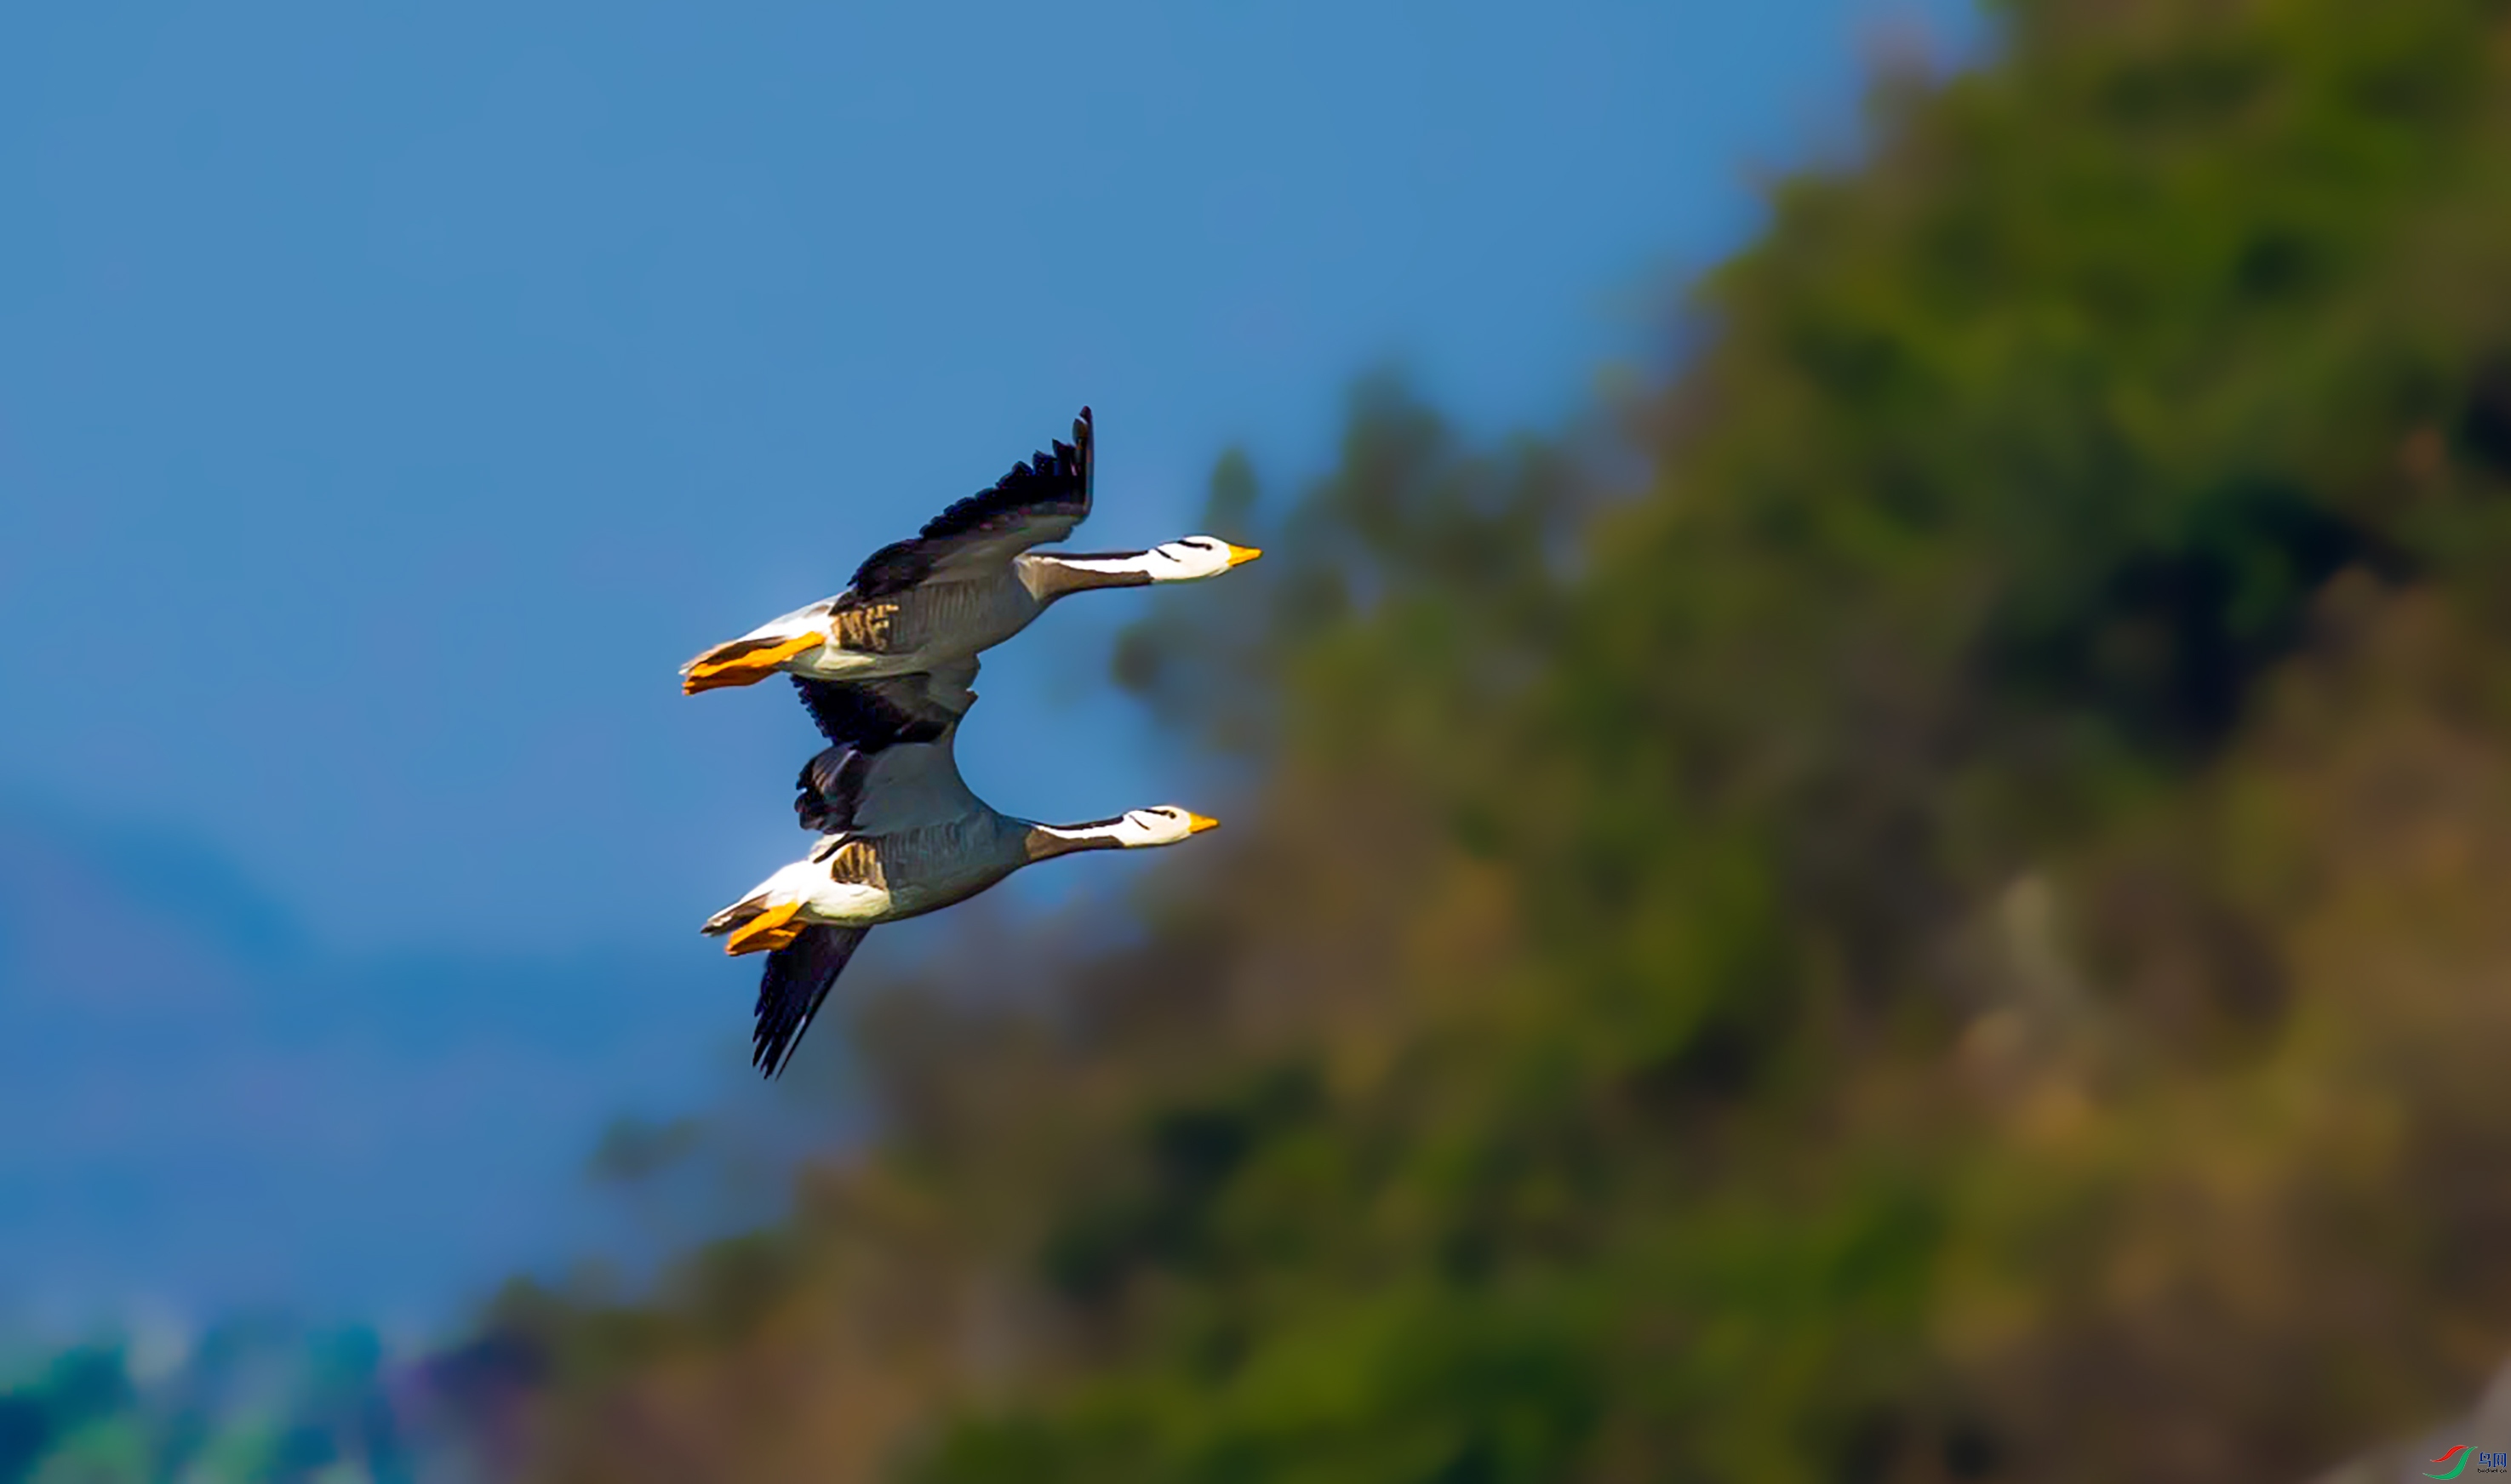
(391, 396)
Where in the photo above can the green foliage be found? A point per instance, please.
(1943, 934)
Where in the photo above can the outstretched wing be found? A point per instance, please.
(845, 791)
(873, 714)
(790, 989)
(1040, 501)
(889, 763)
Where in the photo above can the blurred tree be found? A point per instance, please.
(1952, 933)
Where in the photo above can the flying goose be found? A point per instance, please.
(900, 835)
(967, 582)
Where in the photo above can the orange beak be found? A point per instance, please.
(1241, 555)
(744, 662)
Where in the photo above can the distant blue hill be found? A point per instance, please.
(201, 1104)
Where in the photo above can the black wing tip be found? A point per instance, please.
(1045, 481)
(855, 714)
(771, 1053)
(1056, 483)
(778, 1036)
(893, 568)
(771, 1059)
(792, 986)
(829, 790)
(1060, 463)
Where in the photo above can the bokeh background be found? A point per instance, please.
(1867, 805)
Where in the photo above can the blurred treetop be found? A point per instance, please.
(1951, 933)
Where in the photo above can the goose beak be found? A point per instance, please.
(1241, 555)
(744, 662)
(771, 929)
(1196, 824)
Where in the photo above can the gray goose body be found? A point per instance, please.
(900, 835)
(964, 584)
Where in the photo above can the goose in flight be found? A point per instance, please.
(967, 582)
(900, 835)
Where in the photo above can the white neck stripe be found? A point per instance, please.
(1093, 832)
(1141, 561)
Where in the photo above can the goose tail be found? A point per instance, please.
(757, 922)
(746, 661)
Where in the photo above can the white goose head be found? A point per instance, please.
(1165, 824)
(1189, 558)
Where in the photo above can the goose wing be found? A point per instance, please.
(873, 714)
(1041, 500)
(889, 768)
(790, 989)
(848, 790)
(889, 763)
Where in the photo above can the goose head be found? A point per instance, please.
(1189, 558)
(1165, 824)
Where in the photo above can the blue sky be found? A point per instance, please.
(391, 396)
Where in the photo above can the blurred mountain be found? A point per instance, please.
(201, 1105)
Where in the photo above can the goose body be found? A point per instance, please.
(900, 835)
(964, 584)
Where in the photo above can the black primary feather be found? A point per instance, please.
(1045, 484)
(894, 568)
(869, 715)
(791, 988)
(1056, 484)
(831, 789)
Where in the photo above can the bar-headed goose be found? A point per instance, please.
(966, 583)
(900, 835)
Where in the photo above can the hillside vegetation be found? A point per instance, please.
(1929, 905)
